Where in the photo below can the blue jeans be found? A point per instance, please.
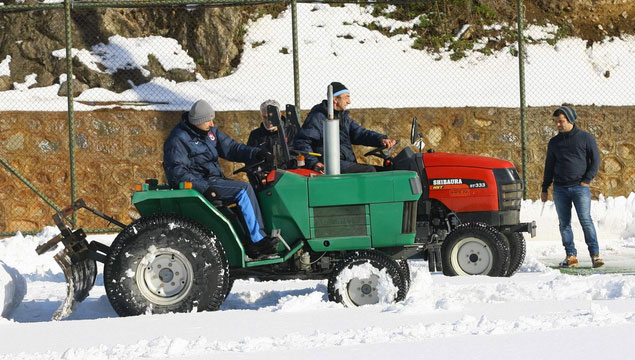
(243, 194)
(580, 196)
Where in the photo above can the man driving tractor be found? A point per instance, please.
(310, 138)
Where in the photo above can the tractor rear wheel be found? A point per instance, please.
(475, 249)
(517, 251)
(366, 277)
(165, 263)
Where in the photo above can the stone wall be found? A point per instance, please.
(117, 149)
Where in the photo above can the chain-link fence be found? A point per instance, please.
(137, 65)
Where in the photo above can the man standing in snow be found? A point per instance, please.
(572, 162)
(310, 139)
(191, 153)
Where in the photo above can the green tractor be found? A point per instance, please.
(184, 253)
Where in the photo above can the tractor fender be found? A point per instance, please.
(191, 204)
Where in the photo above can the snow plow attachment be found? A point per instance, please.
(77, 259)
(80, 278)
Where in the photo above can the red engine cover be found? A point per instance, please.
(464, 183)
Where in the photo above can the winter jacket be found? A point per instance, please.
(309, 139)
(269, 140)
(572, 157)
(190, 156)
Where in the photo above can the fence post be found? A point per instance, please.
(28, 184)
(523, 106)
(296, 64)
(69, 96)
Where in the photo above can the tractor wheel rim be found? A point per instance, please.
(164, 277)
(363, 291)
(472, 256)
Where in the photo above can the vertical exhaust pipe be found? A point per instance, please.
(331, 138)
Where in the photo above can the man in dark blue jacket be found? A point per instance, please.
(310, 137)
(191, 153)
(572, 162)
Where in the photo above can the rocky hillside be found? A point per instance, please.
(213, 37)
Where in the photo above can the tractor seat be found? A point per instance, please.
(222, 203)
(218, 203)
(212, 198)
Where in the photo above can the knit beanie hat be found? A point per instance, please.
(339, 89)
(568, 112)
(201, 112)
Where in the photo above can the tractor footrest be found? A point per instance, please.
(279, 258)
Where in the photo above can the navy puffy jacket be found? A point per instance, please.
(188, 156)
(309, 139)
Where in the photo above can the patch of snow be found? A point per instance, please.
(29, 81)
(4, 66)
(12, 289)
(386, 289)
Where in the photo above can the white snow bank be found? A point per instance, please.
(12, 289)
(336, 41)
(4, 66)
(29, 81)
(614, 217)
(132, 53)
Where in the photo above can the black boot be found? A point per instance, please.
(264, 247)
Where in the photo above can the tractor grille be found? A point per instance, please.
(340, 221)
(510, 189)
(409, 222)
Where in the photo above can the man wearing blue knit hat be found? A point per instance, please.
(572, 162)
(310, 138)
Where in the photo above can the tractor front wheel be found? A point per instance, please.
(366, 277)
(475, 249)
(165, 263)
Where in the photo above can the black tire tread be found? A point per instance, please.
(489, 234)
(517, 251)
(210, 266)
(404, 269)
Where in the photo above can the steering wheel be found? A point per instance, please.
(380, 153)
(249, 167)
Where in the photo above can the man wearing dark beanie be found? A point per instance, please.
(191, 153)
(572, 162)
(310, 139)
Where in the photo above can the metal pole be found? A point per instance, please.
(28, 184)
(69, 96)
(331, 138)
(523, 106)
(296, 63)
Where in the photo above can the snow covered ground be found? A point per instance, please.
(537, 313)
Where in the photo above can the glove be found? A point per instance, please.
(319, 167)
(265, 155)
